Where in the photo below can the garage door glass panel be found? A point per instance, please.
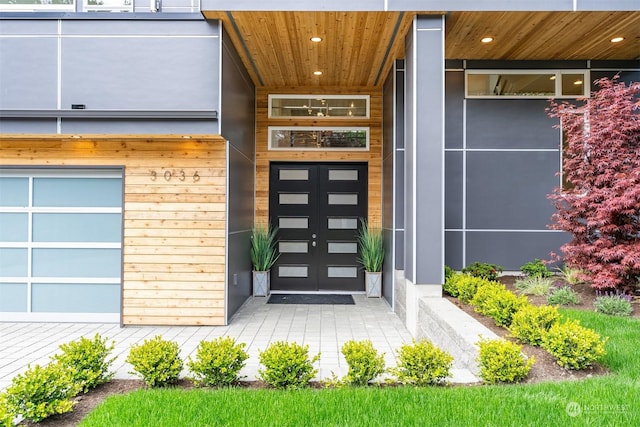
(54, 227)
(14, 192)
(85, 192)
(13, 297)
(13, 262)
(13, 227)
(75, 298)
(76, 262)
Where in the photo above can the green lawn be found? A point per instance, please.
(604, 401)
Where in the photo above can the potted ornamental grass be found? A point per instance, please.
(371, 246)
(263, 255)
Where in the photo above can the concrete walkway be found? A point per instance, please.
(325, 328)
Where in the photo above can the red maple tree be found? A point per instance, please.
(600, 203)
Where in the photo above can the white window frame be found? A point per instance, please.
(367, 99)
(586, 83)
(271, 129)
(86, 7)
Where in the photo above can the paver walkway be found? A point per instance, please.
(323, 327)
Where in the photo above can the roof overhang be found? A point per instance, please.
(359, 46)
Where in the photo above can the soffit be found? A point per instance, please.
(358, 48)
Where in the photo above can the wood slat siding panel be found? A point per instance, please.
(174, 230)
(373, 157)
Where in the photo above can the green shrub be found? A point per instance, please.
(364, 362)
(448, 272)
(535, 269)
(41, 392)
(534, 285)
(613, 304)
(422, 363)
(502, 361)
(218, 362)
(483, 270)
(156, 361)
(573, 346)
(287, 365)
(450, 285)
(495, 301)
(564, 295)
(469, 285)
(6, 416)
(87, 361)
(530, 323)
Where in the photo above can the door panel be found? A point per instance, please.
(317, 207)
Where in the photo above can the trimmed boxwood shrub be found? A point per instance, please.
(502, 361)
(422, 363)
(6, 417)
(41, 392)
(287, 365)
(87, 360)
(156, 361)
(495, 301)
(573, 345)
(364, 362)
(530, 323)
(218, 362)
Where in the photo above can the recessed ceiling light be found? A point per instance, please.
(486, 39)
(617, 39)
(316, 39)
(317, 73)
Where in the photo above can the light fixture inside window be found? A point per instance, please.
(316, 39)
(617, 39)
(317, 73)
(487, 39)
(577, 82)
(552, 78)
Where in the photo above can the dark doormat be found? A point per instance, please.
(334, 299)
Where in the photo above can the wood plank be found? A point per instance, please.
(171, 251)
(168, 286)
(217, 320)
(165, 270)
(176, 234)
(186, 302)
(173, 294)
(173, 311)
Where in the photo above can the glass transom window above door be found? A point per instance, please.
(60, 244)
(317, 207)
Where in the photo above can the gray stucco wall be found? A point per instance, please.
(237, 120)
(120, 65)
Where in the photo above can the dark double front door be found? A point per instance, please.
(317, 208)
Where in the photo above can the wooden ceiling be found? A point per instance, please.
(358, 48)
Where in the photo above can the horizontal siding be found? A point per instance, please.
(174, 225)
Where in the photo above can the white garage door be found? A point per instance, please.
(60, 245)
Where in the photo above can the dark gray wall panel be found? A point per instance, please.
(525, 65)
(399, 261)
(508, 190)
(140, 126)
(28, 73)
(239, 286)
(511, 124)
(140, 73)
(400, 114)
(237, 124)
(512, 250)
(453, 181)
(625, 76)
(453, 249)
(388, 271)
(616, 64)
(453, 107)
(388, 99)
(33, 126)
(240, 200)
(237, 101)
